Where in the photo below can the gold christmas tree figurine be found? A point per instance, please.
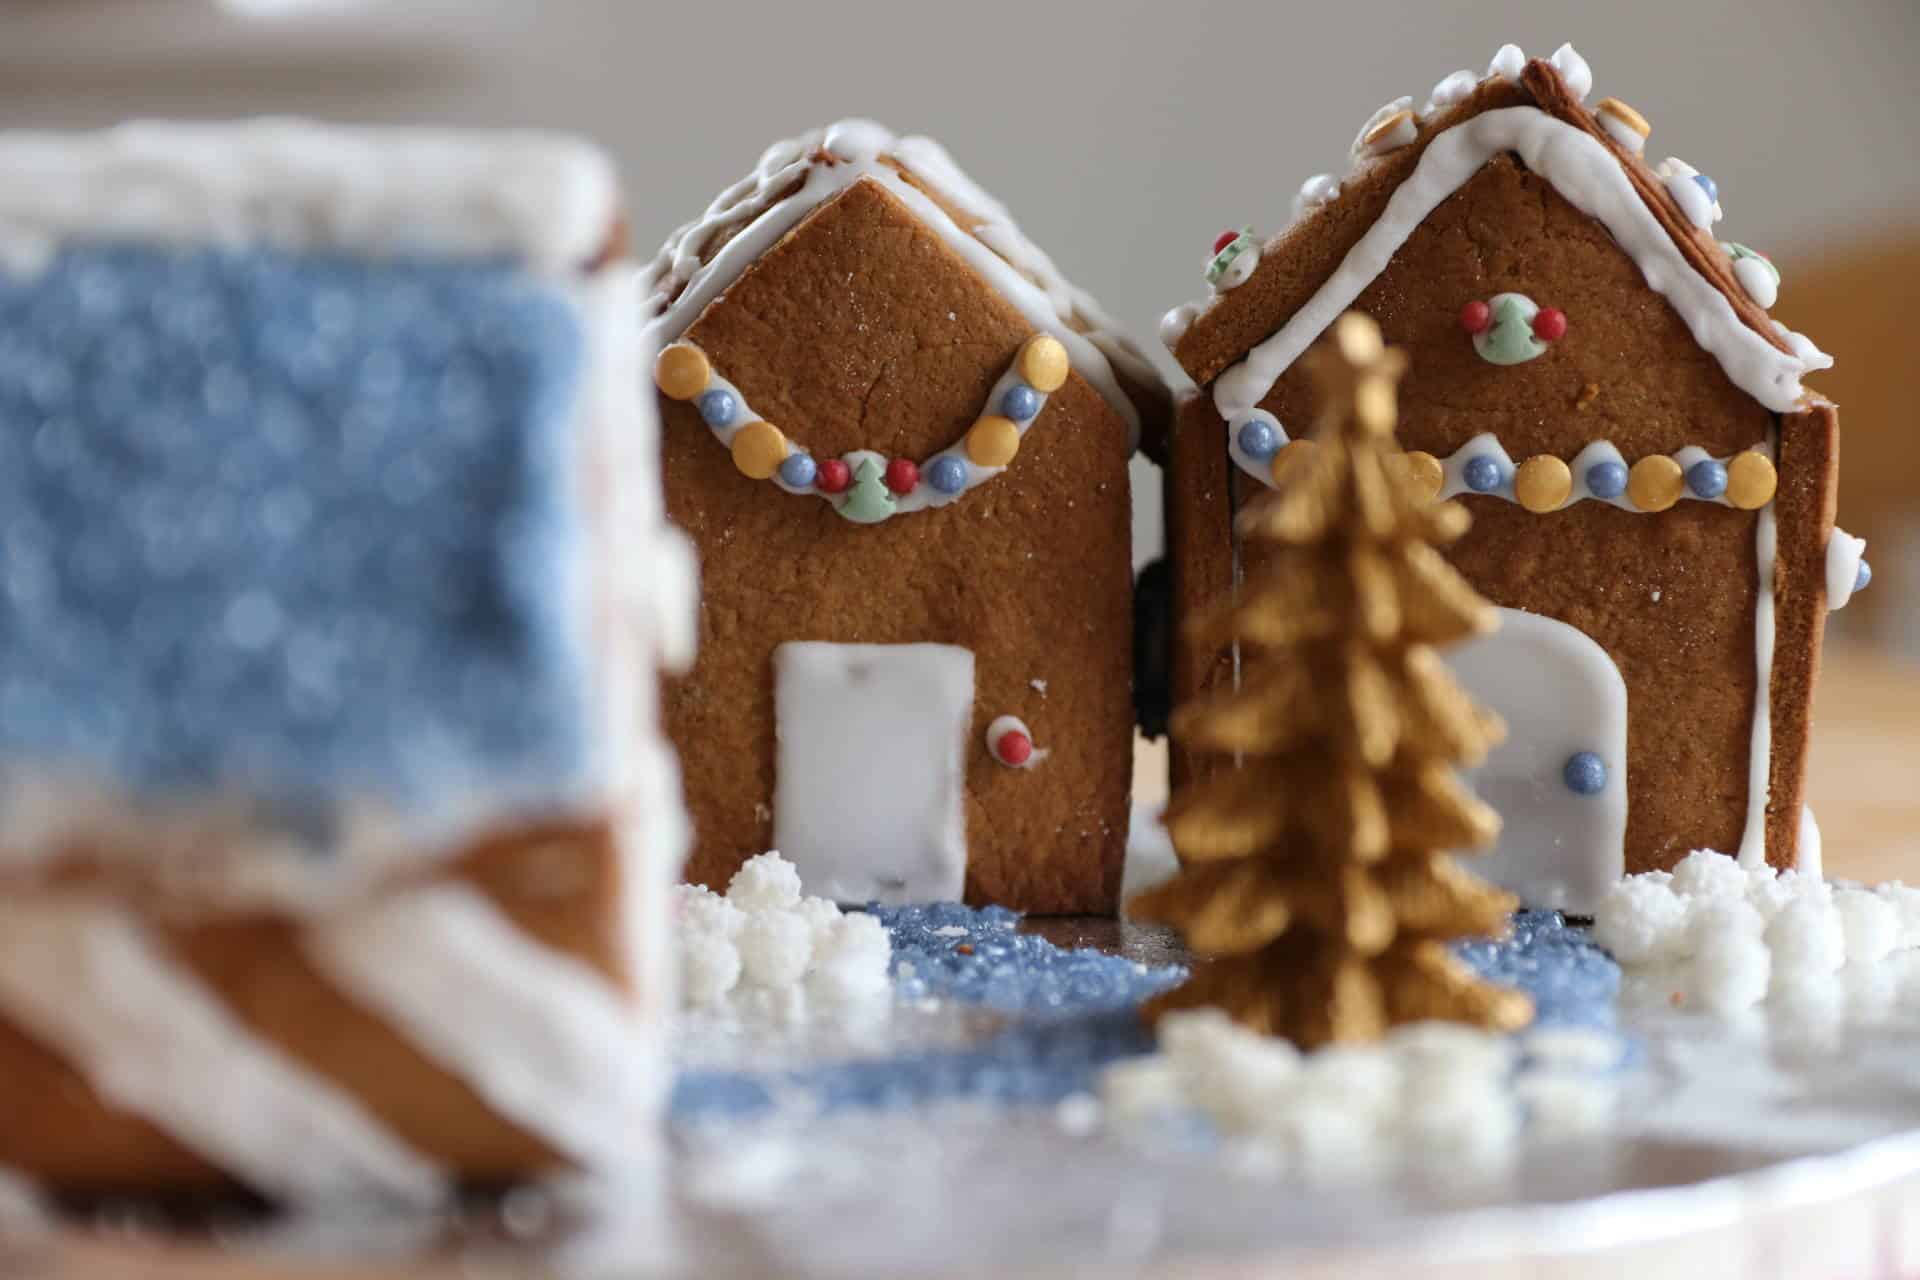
(1315, 881)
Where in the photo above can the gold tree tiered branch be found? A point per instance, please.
(1315, 881)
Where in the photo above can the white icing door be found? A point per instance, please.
(1559, 780)
(870, 781)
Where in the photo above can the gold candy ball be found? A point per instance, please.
(992, 442)
(1292, 456)
(1655, 483)
(1426, 473)
(1043, 363)
(758, 449)
(682, 371)
(1543, 483)
(1751, 480)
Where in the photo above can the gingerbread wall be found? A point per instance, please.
(1670, 595)
(864, 330)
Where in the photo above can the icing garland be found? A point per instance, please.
(1746, 481)
(864, 486)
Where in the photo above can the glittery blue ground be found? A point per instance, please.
(1072, 1012)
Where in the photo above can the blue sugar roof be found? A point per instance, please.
(291, 527)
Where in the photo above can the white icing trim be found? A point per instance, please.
(86, 980)
(1753, 839)
(924, 494)
(1574, 71)
(1508, 62)
(1809, 855)
(547, 1042)
(1844, 553)
(547, 199)
(1583, 171)
(760, 212)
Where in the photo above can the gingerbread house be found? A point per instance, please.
(336, 828)
(1595, 374)
(899, 439)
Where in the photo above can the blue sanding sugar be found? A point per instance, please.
(1006, 970)
(288, 526)
(1573, 981)
(1075, 1012)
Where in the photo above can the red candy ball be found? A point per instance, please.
(834, 476)
(1549, 324)
(1476, 316)
(1224, 239)
(1014, 748)
(902, 476)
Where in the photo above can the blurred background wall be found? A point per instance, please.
(1124, 133)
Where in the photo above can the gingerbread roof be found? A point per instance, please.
(544, 200)
(702, 259)
(1408, 161)
(289, 418)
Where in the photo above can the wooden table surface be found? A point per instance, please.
(1864, 787)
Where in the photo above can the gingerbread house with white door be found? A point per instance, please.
(1594, 373)
(899, 438)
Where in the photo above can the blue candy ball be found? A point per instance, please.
(1020, 402)
(1484, 474)
(718, 406)
(1585, 773)
(1258, 439)
(798, 470)
(1709, 186)
(1862, 576)
(947, 474)
(1707, 478)
(1607, 479)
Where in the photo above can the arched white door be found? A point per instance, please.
(1559, 781)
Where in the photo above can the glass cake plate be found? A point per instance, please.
(1749, 1149)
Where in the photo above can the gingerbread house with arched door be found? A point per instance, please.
(1595, 374)
(899, 439)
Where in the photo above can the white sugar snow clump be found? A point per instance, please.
(1426, 1092)
(1641, 920)
(767, 882)
(1718, 936)
(765, 940)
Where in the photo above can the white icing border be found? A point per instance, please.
(545, 1040)
(85, 979)
(1753, 838)
(759, 211)
(1588, 176)
(1844, 553)
(547, 199)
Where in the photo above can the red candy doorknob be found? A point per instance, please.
(1550, 324)
(1476, 317)
(902, 476)
(1011, 743)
